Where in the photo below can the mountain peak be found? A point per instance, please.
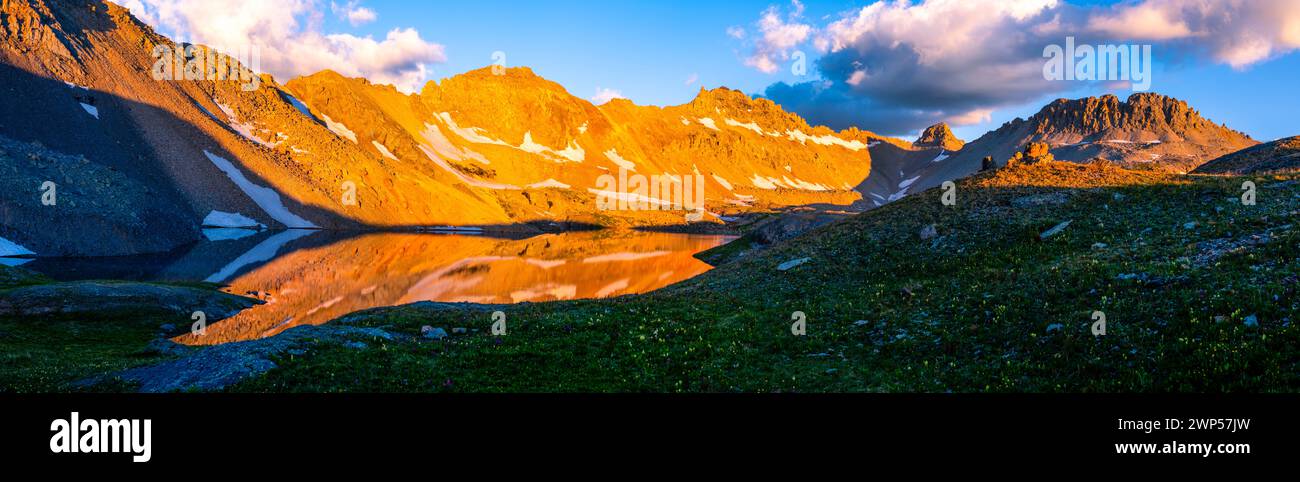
(1147, 130)
(939, 135)
(1143, 117)
(721, 96)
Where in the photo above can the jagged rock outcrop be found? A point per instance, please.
(1147, 131)
(1035, 152)
(941, 136)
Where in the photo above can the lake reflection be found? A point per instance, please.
(308, 281)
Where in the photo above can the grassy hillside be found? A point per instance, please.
(1198, 291)
(85, 329)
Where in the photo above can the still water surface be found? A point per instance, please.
(312, 277)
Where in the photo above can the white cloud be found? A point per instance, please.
(353, 12)
(736, 32)
(973, 117)
(1238, 33)
(937, 30)
(604, 95)
(940, 56)
(693, 78)
(896, 66)
(291, 40)
(1143, 21)
(778, 37)
(857, 78)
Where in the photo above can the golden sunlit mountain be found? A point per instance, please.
(493, 147)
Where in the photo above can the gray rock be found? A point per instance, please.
(788, 265)
(929, 232)
(459, 331)
(165, 347)
(219, 366)
(1251, 321)
(1055, 230)
(433, 333)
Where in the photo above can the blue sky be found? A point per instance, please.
(647, 50)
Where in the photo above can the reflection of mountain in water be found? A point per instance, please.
(305, 281)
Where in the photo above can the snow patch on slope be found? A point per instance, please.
(433, 156)
(298, 104)
(339, 128)
(612, 155)
(244, 129)
(266, 198)
(751, 125)
(443, 146)
(765, 182)
(629, 197)
(472, 134)
(908, 182)
(572, 152)
(805, 185)
(222, 219)
(10, 249)
(826, 140)
(772, 183)
(90, 109)
(383, 150)
(722, 181)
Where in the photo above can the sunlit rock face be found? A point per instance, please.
(499, 148)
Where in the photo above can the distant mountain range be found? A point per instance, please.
(142, 164)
